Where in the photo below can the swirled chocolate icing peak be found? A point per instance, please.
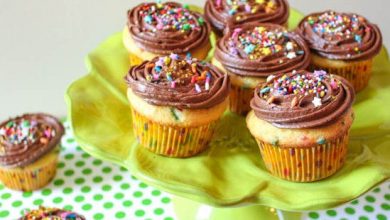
(302, 99)
(165, 28)
(261, 49)
(229, 13)
(177, 81)
(343, 36)
(25, 139)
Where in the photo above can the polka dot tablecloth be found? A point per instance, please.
(101, 190)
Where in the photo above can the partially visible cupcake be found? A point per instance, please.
(176, 102)
(29, 151)
(301, 121)
(343, 44)
(44, 213)
(155, 29)
(252, 52)
(228, 13)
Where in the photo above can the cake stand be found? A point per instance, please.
(229, 180)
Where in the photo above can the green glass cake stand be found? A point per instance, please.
(229, 180)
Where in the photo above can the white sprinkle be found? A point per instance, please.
(317, 102)
(291, 55)
(289, 46)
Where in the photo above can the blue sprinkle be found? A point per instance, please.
(249, 48)
(300, 52)
(188, 55)
(158, 68)
(265, 90)
(358, 38)
(148, 19)
(321, 140)
(232, 12)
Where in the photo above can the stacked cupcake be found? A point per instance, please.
(300, 118)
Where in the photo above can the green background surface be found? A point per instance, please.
(231, 172)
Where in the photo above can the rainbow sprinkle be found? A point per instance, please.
(260, 42)
(236, 7)
(25, 132)
(50, 214)
(299, 84)
(180, 71)
(338, 26)
(169, 17)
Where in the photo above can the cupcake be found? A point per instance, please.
(301, 121)
(342, 44)
(176, 102)
(155, 29)
(44, 213)
(251, 52)
(29, 151)
(224, 13)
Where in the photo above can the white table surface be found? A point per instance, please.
(43, 43)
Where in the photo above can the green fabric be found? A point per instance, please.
(231, 172)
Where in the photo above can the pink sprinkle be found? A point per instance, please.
(218, 3)
(155, 76)
(47, 133)
(207, 85)
(197, 88)
(247, 8)
(65, 214)
(173, 84)
(236, 32)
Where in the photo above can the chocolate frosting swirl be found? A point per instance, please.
(167, 28)
(342, 36)
(228, 13)
(26, 138)
(184, 83)
(301, 99)
(51, 213)
(261, 49)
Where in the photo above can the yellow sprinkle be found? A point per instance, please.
(260, 1)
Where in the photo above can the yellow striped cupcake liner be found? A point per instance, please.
(305, 164)
(33, 176)
(134, 60)
(240, 98)
(358, 73)
(169, 140)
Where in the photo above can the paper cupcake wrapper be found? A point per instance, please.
(169, 140)
(134, 60)
(358, 73)
(29, 179)
(240, 98)
(305, 164)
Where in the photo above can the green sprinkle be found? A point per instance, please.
(186, 27)
(186, 6)
(174, 115)
(201, 21)
(321, 140)
(275, 142)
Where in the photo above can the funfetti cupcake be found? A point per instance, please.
(155, 29)
(44, 213)
(29, 151)
(343, 44)
(252, 52)
(224, 13)
(176, 102)
(301, 121)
